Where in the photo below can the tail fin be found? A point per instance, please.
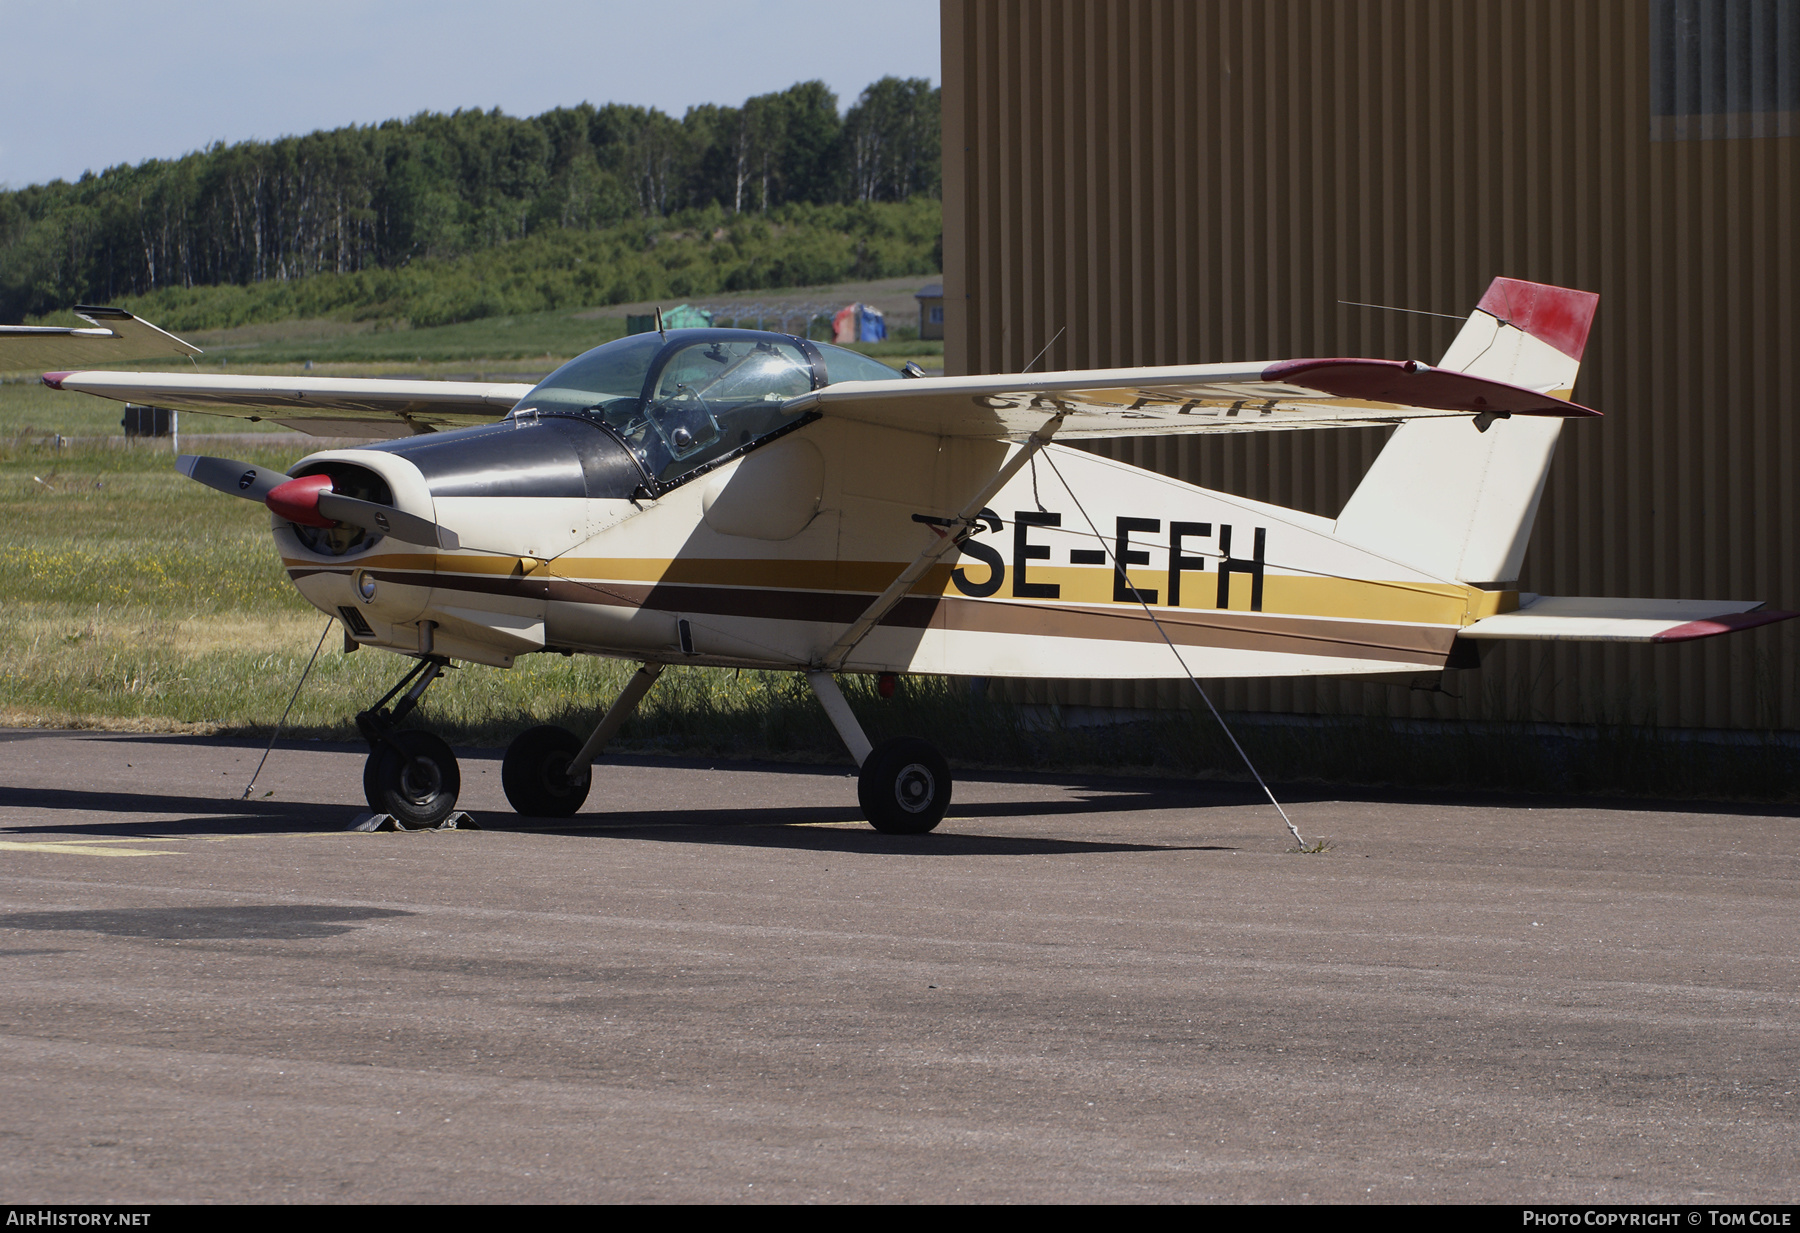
(1457, 497)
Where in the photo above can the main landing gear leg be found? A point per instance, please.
(547, 771)
(904, 785)
(410, 774)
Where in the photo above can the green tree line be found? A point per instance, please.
(690, 254)
(443, 188)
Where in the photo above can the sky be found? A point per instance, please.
(89, 86)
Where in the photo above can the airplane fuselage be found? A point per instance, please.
(767, 559)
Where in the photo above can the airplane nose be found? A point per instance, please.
(298, 500)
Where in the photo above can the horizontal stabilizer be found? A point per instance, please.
(323, 406)
(1590, 619)
(112, 336)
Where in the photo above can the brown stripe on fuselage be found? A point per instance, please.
(1236, 631)
(1226, 630)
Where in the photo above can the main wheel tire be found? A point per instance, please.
(414, 776)
(535, 773)
(904, 787)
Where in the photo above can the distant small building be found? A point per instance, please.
(681, 317)
(931, 310)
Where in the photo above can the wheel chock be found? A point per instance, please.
(457, 821)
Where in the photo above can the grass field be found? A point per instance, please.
(496, 347)
(531, 343)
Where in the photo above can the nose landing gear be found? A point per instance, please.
(410, 774)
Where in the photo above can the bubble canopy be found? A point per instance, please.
(682, 400)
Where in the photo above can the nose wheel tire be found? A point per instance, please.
(412, 775)
(535, 773)
(904, 787)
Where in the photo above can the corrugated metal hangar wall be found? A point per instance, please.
(1204, 180)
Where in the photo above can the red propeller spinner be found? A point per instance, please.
(298, 500)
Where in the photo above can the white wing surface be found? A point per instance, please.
(111, 336)
(1118, 402)
(322, 406)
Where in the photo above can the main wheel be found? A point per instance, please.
(535, 773)
(417, 782)
(904, 786)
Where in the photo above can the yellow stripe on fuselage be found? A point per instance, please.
(1413, 603)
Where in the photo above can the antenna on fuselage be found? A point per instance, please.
(659, 325)
(1395, 308)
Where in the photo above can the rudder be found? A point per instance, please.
(1457, 497)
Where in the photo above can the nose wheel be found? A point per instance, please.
(412, 775)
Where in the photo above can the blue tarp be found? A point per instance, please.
(873, 326)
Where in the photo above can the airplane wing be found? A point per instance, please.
(1118, 402)
(1576, 618)
(112, 335)
(323, 406)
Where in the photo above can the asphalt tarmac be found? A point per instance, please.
(718, 985)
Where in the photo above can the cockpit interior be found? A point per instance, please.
(677, 403)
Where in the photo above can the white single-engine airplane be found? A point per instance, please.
(746, 499)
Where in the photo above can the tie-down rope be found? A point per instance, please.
(282, 722)
(1226, 728)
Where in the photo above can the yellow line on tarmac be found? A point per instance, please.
(119, 839)
(85, 847)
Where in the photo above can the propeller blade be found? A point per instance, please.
(238, 479)
(386, 520)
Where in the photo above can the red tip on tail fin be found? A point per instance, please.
(1557, 315)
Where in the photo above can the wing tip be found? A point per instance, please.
(55, 379)
(1729, 623)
